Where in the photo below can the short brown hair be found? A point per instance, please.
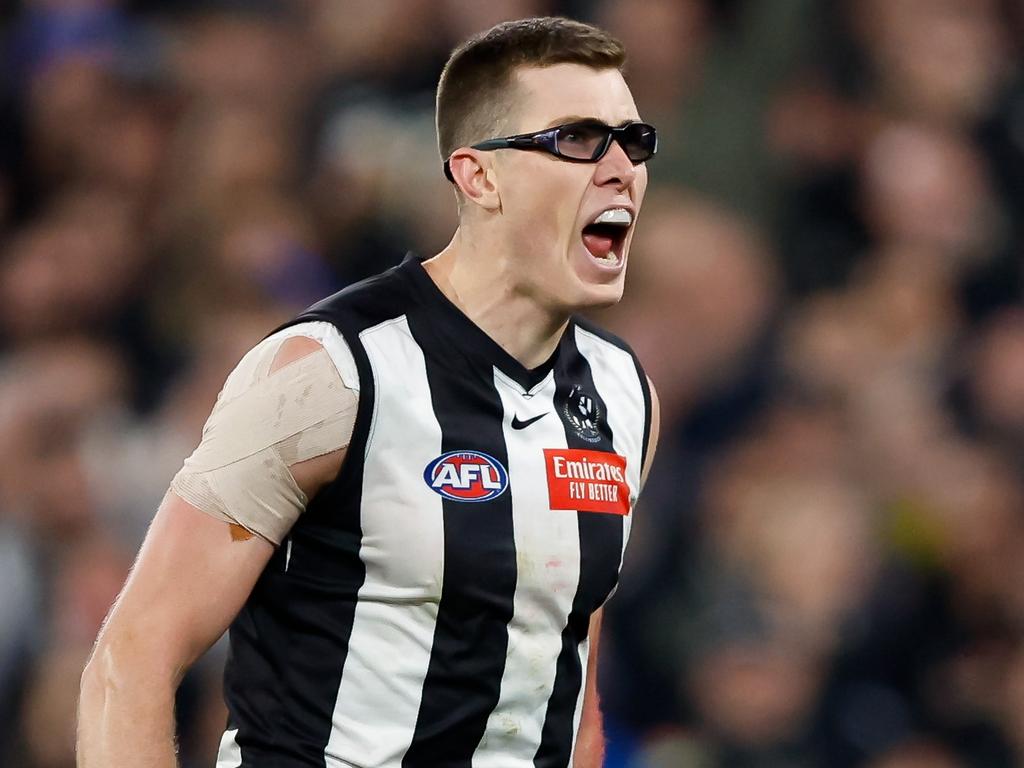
(473, 93)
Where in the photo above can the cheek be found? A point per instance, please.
(544, 214)
(640, 185)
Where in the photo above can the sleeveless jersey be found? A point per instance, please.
(430, 608)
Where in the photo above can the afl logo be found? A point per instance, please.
(466, 476)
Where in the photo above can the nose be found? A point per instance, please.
(615, 168)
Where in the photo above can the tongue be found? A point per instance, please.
(598, 245)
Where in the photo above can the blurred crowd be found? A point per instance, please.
(827, 569)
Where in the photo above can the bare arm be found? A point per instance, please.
(590, 740)
(192, 576)
(189, 581)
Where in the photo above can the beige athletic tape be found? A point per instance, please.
(257, 492)
(262, 424)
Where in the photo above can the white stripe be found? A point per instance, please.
(548, 562)
(616, 379)
(230, 755)
(402, 548)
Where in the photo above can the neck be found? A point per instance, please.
(480, 281)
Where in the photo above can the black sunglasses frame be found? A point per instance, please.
(547, 141)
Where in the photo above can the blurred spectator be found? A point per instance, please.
(73, 271)
(922, 754)
(996, 373)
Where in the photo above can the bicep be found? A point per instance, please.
(277, 435)
(189, 581)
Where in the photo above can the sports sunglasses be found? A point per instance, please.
(583, 142)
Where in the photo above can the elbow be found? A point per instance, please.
(121, 666)
(92, 703)
(95, 681)
(92, 675)
(106, 672)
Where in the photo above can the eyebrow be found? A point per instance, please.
(586, 119)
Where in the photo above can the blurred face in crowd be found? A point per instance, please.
(543, 203)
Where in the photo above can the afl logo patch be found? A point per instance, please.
(583, 412)
(466, 476)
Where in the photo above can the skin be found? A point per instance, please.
(517, 267)
(191, 577)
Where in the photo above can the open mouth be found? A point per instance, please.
(605, 236)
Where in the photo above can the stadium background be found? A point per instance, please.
(828, 566)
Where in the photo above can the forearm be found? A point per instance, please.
(125, 719)
(589, 752)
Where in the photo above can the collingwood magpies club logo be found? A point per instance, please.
(583, 412)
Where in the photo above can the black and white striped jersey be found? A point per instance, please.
(431, 606)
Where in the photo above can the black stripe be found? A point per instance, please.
(467, 659)
(600, 554)
(290, 642)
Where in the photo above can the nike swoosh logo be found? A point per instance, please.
(517, 424)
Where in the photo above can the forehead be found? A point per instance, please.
(547, 94)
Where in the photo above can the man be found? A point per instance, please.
(411, 503)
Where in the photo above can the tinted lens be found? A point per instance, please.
(639, 141)
(582, 141)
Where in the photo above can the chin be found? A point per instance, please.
(594, 285)
(590, 295)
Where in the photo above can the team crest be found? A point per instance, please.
(583, 412)
(466, 476)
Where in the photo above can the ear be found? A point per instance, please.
(474, 176)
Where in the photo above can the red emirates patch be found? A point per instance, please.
(589, 481)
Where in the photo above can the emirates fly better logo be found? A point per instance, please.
(588, 481)
(466, 476)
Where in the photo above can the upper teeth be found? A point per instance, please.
(615, 216)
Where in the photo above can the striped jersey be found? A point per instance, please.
(431, 605)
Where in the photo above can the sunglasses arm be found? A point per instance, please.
(490, 144)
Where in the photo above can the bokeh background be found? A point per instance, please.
(828, 566)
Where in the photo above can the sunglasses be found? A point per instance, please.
(584, 142)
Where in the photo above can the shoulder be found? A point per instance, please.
(588, 327)
(605, 348)
(601, 345)
(363, 304)
(303, 337)
(336, 321)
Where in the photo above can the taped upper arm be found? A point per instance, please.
(312, 474)
(275, 437)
